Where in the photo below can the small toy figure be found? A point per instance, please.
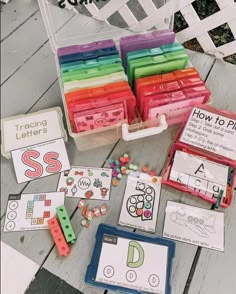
(104, 191)
(89, 194)
(74, 190)
(65, 190)
(97, 183)
(66, 173)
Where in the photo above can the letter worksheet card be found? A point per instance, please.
(133, 264)
(40, 160)
(194, 225)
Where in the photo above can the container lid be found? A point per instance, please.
(31, 129)
(102, 20)
(211, 130)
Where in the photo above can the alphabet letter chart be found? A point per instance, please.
(31, 211)
(40, 160)
(132, 264)
(199, 174)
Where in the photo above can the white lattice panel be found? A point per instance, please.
(158, 16)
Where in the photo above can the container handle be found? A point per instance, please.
(145, 132)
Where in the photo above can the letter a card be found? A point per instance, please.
(130, 263)
(141, 202)
(86, 182)
(27, 212)
(40, 160)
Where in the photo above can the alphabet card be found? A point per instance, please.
(86, 182)
(27, 212)
(201, 175)
(194, 225)
(141, 201)
(130, 263)
(40, 160)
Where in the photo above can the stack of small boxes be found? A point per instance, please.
(97, 93)
(156, 69)
(62, 231)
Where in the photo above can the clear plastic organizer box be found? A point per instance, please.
(81, 24)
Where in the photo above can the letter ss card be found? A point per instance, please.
(40, 160)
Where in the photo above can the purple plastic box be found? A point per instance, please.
(145, 41)
(85, 47)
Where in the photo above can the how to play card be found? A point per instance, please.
(86, 182)
(40, 160)
(31, 211)
(131, 264)
(194, 225)
(141, 201)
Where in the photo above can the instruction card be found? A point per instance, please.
(31, 211)
(40, 160)
(141, 201)
(197, 173)
(86, 182)
(194, 225)
(129, 263)
(212, 132)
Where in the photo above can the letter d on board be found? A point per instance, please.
(130, 259)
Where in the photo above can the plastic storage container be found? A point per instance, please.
(71, 26)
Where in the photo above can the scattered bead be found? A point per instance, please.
(81, 203)
(114, 173)
(89, 215)
(154, 180)
(135, 167)
(118, 170)
(117, 162)
(84, 223)
(127, 160)
(103, 209)
(152, 173)
(122, 164)
(119, 176)
(123, 171)
(115, 183)
(122, 159)
(131, 166)
(84, 210)
(128, 171)
(96, 212)
(145, 169)
(111, 161)
(126, 155)
(113, 165)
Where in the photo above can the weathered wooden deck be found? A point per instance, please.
(29, 83)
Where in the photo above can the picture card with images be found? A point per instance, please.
(86, 182)
(194, 225)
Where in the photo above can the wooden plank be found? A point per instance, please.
(202, 62)
(22, 45)
(14, 14)
(221, 82)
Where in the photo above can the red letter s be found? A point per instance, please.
(54, 165)
(26, 159)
